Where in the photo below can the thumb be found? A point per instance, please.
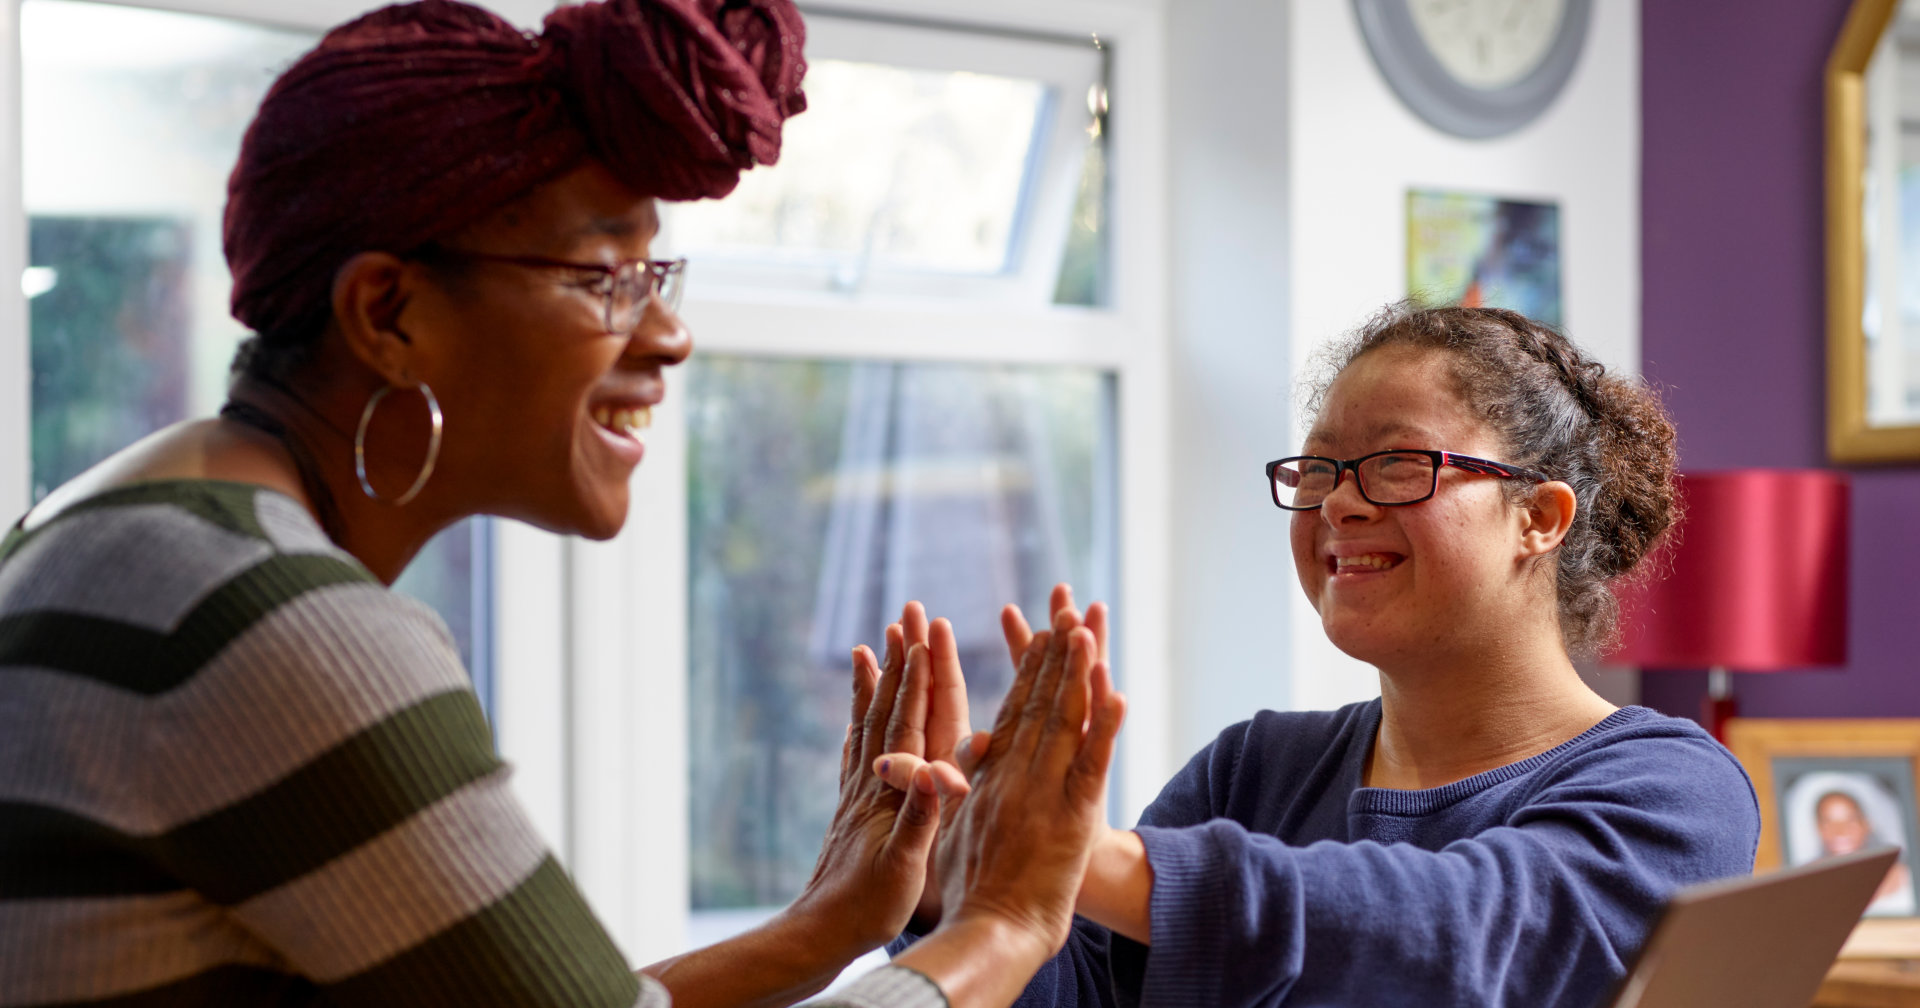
(918, 819)
(898, 769)
(971, 750)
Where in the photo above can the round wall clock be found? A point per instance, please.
(1475, 68)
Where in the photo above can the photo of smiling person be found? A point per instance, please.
(1834, 812)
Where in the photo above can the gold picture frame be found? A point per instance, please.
(1800, 764)
(1850, 438)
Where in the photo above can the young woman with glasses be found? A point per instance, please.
(1489, 831)
(236, 770)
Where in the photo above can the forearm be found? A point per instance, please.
(1118, 888)
(977, 961)
(778, 963)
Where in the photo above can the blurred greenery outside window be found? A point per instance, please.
(131, 121)
(823, 492)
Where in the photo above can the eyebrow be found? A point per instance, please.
(1379, 432)
(623, 226)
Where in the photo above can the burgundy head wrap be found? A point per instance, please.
(420, 118)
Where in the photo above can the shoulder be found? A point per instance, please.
(218, 624)
(1235, 775)
(1658, 777)
(161, 579)
(1309, 734)
(1637, 740)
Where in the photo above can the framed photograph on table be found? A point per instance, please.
(1831, 787)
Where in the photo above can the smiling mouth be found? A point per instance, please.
(624, 422)
(1365, 563)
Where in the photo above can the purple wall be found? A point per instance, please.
(1733, 315)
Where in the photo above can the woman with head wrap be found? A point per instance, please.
(235, 769)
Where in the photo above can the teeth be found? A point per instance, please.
(1377, 561)
(624, 421)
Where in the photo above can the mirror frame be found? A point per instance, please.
(1850, 439)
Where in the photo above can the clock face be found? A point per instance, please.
(1475, 68)
(1488, 44)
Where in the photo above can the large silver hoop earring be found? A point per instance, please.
(360, 445)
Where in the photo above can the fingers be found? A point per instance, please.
(1013, 625)
(907, 728)
(918, 820)
(897, 769)
(913, 623)
(1060, 598)
(1088, 778)
(1097, 622)
(1013, 707)
(971, 750)
(1062, 725)
(866, 678)
(880, 710)
(1043, 700)
(949, 781)
(948, 720)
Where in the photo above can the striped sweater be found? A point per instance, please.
(236, 770)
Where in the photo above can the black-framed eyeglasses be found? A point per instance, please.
(1388, 478)
(626, 285)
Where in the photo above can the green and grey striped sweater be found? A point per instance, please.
(236, 770)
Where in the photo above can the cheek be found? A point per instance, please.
(1306, 564)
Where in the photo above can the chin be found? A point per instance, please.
(604, 519)
(1354, 638)
(583, 516)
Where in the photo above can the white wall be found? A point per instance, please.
(1229, 363)
(1353, 153)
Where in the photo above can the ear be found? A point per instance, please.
(369, 291)
(1547, 517)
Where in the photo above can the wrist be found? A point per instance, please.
(817, 937)
(1117, 890)
(999, 938)
(978, 958)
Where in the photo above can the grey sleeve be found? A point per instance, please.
(886, 987)
(652, 993)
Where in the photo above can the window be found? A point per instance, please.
(131, 120)
(822, 495)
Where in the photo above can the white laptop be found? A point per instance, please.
(1760, 942)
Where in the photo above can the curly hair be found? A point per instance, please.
(1558, 410)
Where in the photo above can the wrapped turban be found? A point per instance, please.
(420, 118)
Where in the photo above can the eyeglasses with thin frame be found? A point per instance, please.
(1391, 478)
(626, 285)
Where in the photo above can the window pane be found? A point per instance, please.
(131, 122)
(889, 167)
(822, 497)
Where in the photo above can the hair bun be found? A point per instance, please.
(680, 96)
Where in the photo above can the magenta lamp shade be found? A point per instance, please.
(1757, 581)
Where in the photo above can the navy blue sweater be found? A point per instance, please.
(1280, 880)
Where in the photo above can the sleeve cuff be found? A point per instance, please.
(887, 987)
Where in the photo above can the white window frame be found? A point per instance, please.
(591, 646)
(1068, 66)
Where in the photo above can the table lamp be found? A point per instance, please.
(1754, 581)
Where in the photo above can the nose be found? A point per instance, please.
(1345, 504)
(660, 337)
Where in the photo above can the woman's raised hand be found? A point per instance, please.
(1011, 856)
(873, 863)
